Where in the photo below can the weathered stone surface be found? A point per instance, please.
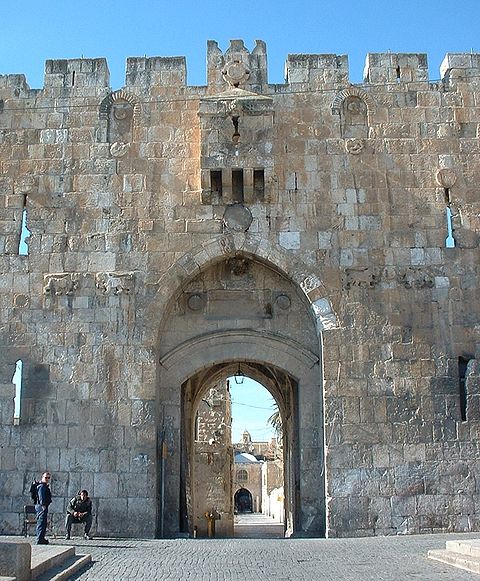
(300, 229)
(15, 558)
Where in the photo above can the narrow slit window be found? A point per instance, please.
(216, 182)
(259, 183)
(17, 380)
(237, 185)
(24, 231)
(462, 386)
(449, 240)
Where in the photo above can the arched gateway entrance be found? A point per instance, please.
(239, 309)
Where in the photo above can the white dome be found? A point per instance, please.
(244, 458)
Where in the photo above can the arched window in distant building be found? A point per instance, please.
(242, 475)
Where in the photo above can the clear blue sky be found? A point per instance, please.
(252, 405)
(33, 31)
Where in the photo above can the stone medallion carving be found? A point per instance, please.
(354, 146)
(122, 110)
(446, 177)
(196, 302)
(237, 218)
(236, 73)
(21, 301)
(352, 92)
(119, 149)
(283, 302)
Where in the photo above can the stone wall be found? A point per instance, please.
(340, 190)
(212, 462)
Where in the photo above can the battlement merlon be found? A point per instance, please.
(71, 73)
(16, 84)
(316, 69)
(386, 67)
(461, 67)
(160, 71)
(237, 63)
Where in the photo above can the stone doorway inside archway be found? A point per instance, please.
(243, 501)
(221, 478)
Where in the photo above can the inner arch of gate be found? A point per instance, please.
(284, 389)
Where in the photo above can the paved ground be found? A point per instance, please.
(257, 526)
(274, 559)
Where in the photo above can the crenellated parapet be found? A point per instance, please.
(239, 67)
(14, 84)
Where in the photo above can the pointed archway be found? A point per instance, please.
(224, 305)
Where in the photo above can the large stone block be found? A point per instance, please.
(15, 560)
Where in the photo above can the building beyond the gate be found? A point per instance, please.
(258, 469)
(322, 236)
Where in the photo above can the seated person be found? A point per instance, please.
(79, 509)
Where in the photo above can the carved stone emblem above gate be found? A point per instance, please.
(237, 218)
(114, 283)
(64, 283)
(236, 73)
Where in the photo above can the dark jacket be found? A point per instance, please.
(44, 494)
(78, 505)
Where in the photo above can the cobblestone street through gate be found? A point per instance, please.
(382, 559)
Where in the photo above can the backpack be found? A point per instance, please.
(34, 491)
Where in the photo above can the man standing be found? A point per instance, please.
(79, 509)
(41, 508)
